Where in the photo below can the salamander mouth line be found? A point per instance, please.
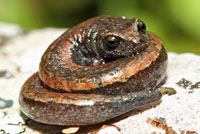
(109, 60)
(125, 57)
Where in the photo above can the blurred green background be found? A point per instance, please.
(177, 22)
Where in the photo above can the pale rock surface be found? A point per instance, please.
(9, 30)
(20, 57)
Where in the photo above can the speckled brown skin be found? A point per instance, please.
(83, 80)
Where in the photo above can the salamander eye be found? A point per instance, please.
(141, 26)
(111, 42)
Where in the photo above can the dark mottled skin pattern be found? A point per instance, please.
(82, 81)
(91, 50)
(51, 111)
(87, 48)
